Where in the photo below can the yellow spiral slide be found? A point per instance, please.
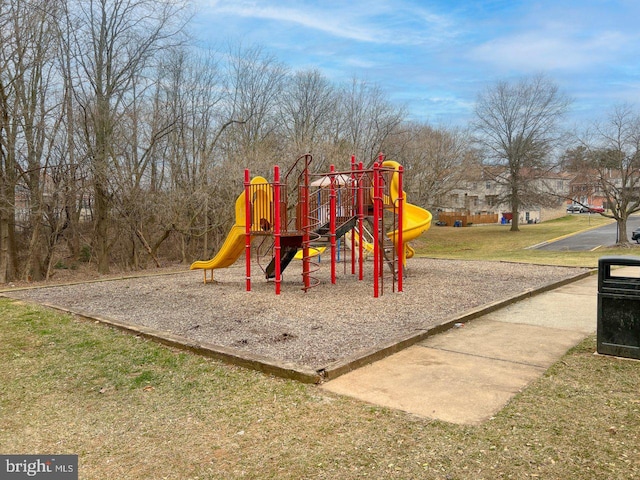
(416, 220)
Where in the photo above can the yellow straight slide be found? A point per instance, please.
(234, 244)
(230, 251)
(416, 220)
(356, 238)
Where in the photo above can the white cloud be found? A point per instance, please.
(542, 50)
(363, 21)
(436, 55)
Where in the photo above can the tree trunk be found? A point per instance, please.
(147, 247)
(515, 211)
(72, 203)
(7, 244)
(8, 252)
(33, 269)
(101, 232)
(5, 275)
(158, 243)
(71, 231)
(622, 230)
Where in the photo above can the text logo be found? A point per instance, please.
(45, 467)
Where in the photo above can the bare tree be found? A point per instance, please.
(40, 122)
(613, 154)
(308, 108)
(114, 43)
(103, 115)
(517, 125)
(256, 82)
(367, 118)
(434, 159)
(12, 61)
(70, 171)
(27, 127)
(191, 92)
(242, 131)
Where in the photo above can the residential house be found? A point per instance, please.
(585, 189)
(482, 193)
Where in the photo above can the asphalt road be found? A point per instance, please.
(591, 239)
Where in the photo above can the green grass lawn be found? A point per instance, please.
(132, 409)
(497, 242)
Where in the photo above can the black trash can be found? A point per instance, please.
(619, 307)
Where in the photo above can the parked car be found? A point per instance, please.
(596, 209)
(574, 208)
(636, 235)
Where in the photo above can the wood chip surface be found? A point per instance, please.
(326, 324)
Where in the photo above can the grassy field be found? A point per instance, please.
(497, 242)
(132, 409)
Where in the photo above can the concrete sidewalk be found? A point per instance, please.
(467, 374)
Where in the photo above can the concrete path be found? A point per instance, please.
(467, 374)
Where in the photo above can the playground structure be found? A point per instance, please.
(305, 213)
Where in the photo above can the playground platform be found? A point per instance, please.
(467, 374)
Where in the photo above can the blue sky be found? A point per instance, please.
(436, 56)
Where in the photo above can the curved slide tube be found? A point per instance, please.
(416, 220)
(234, 244)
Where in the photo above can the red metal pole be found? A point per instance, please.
(304, 209)
(376, 224)
(381, 228)
(353, 190)
(380, 194)
(400, 240)
(276, 226)
(247, 227)
(360, 222)
(332, 222)
(381, 187)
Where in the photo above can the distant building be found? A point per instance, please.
(482, 193)
(585, 189)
